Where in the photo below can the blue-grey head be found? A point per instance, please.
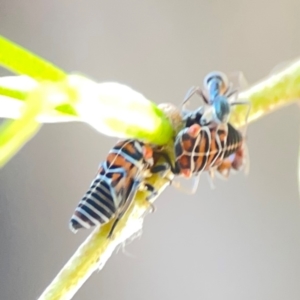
(216, 84)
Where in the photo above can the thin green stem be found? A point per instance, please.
(270, 94)
(21, 61)
(13, 93)
(14, 134)
(17, 87)
(112, 109)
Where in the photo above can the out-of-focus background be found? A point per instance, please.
(239, 241)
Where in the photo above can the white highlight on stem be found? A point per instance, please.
(111, 107)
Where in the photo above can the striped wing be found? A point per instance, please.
(103, 199)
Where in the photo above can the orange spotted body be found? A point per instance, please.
(205, 148)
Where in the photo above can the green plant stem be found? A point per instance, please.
(21, 61)
(96, 250)
(14, 134)
(16, 94)
(111, 108)
(14, 91)
(270, 94)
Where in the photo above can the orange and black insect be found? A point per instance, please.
(112, 191)
(205, 148)
(209, 142)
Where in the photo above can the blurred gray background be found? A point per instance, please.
(239, 241)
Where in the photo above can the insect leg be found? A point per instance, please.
(189, 95)
(210, 177)
(249, 104)
(191, 92)
(153, 194)
(161, 169)
(225, 167)
(164, 167)
(188, 191)
(231, 93)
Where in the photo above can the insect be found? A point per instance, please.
(205, 148)
(218, 96)
(110, 194)
(209, 142)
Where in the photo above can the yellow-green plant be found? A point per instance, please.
(43, 93)
(46, 93)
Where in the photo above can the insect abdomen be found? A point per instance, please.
(96, 207)
(233, 142)
(199, 148)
